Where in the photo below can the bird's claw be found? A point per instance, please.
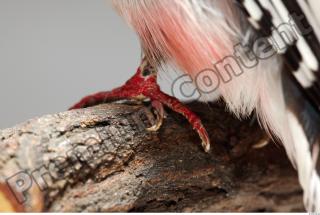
(143, 85)
(159, 111)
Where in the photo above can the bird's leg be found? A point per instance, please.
(143, 85)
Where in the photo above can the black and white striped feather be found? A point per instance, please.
(294, 25)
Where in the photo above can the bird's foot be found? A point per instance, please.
(143, 85)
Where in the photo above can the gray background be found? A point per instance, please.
(54, 52)
(44, 44)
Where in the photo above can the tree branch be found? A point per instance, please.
(103, 159)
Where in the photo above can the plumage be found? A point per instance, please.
(283, 88)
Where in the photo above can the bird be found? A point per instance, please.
(258, 56)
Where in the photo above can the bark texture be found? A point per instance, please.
(103, 159)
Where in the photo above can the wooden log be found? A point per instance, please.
(103, 159)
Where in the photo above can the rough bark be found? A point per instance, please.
(103, 159)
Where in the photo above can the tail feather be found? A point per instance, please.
(304, 124)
